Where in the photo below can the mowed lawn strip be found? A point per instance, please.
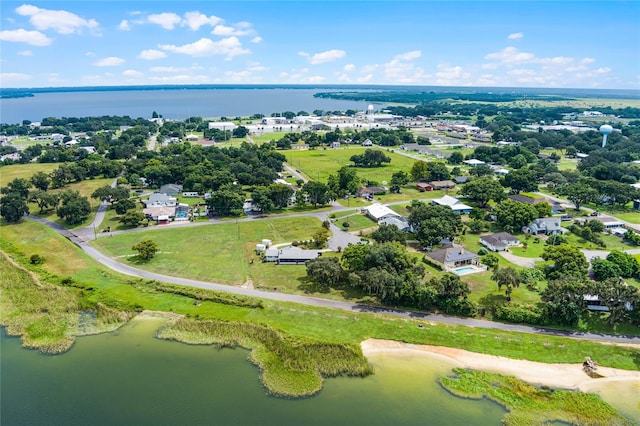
(213, 253)
(318, 164)
(24, 171)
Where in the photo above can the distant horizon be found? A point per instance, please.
(400, 87)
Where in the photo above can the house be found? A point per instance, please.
(453, 257)
(459, 180)
(367, 142)
(161, 214)
(610, 223)
(192, 194)
(401, 222)
(182, 212)
(456, 205)
(526, 200)
(370, 191)
(158, 199)
(595, 304)
(499, 242)
(423, 186)
(378, 211)
(474, 163)
(222, 125)
(335, 145)
(171, 189)
(290, 255)
(443, 184)
(636, 204)
(547, 226)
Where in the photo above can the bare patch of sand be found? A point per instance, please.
(567, 376)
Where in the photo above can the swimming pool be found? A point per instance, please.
(464, 270)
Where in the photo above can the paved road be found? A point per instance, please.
(313, 301)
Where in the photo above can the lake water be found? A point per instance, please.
(175, 104)
(130, 378)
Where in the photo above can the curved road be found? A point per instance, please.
(313, 301)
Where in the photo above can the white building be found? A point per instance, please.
(378, 211)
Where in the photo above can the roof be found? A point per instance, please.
(492, 240)
(525, 199)
(452, 202)
(295, 253)
(443, 183)
(378, 211)
(170, 188)
(505, 236)
(474, 162)
(461, 179)
(399, 221)
(272, 252)
(452, 254)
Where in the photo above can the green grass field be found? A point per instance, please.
(318, 164)
(24, 171)
(219, 253)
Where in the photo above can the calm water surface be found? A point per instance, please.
(131, 378)
(176, 104)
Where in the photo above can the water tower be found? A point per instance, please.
(606, 130)
(370, 113)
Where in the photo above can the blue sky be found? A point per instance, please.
(587, 44)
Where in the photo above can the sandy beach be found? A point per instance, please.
(566, 376)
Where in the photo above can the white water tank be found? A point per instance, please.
(267, 243)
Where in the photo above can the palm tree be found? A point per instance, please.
(507, 277)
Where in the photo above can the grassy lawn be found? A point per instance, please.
(63, 258)
(218, 253)
(318, 164)
(85, 188)
(267, 137)
(24, 171)
(357, 221)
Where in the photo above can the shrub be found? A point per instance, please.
(518, 314)
(482, 252)
(345, 224)
(36, 259)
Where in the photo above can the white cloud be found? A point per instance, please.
(90, 54)
(194, 20)
(323, 57)
(124, 25)
(452, 76)
(111, 61)
(168, 21)
(152, 54)
(241, 29)
(180, 79)
(25, 53)
(603, 70)
(132, 73)
(257, 68)
(515, 36)
(365, 79)
(511, 56)
(34, 38)
(349, 67)
(60, 21)
(402, 70)
(168, 69)
(587, 60)
(228, 47)
(369, 68)
(9, 78)
(256, 39)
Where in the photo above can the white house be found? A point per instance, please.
(456, 205)
(499, 242)
(222, 125)
(378, 211)
(158, 199)
(401, 222)
(547, 226)
(474, 163)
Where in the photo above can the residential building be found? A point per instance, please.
(526, 200)
(370, 191)
(456, 205)
(459, 180)
(378, 211)
(546, 226)
(401, 222)
(158, 199)
(636, 204)
(499, 242)
(443, 184)
(171, 189)
(453, 257)
(191, 194)
(423, 186)
(290, 255)
(474, 163)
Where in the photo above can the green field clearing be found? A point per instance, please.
(318, 164)
(267, 137)
(24, 171)
(220, 253)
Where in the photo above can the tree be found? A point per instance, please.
(13, 207)
(320, 237)
(513, 215)
(280, 194)
(18, 186)
(419, 171)
(240, 132)
(75, 208)
(146, 249)
(387, 233)
(482, 190)
(564, 301)
(604, 269)
(324, 271)
(568, 261)
(399, 178)
(318, 192)
(628, 264)
(40, 180)
(370, 158)
(122, 206)
(433, 223)
(507, 277)
(438, 171)
(260, 199)
(578, 193)
(109, 194)
(618, 296)
(226, 201)
(543, 209)
(43, 199)
(521, 180)
(456, 157)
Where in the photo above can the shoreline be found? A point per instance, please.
(562, 376)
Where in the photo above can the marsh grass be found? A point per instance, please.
(528, 405)
(291, 366)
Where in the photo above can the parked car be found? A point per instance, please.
(594, 214)
(566, 218)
